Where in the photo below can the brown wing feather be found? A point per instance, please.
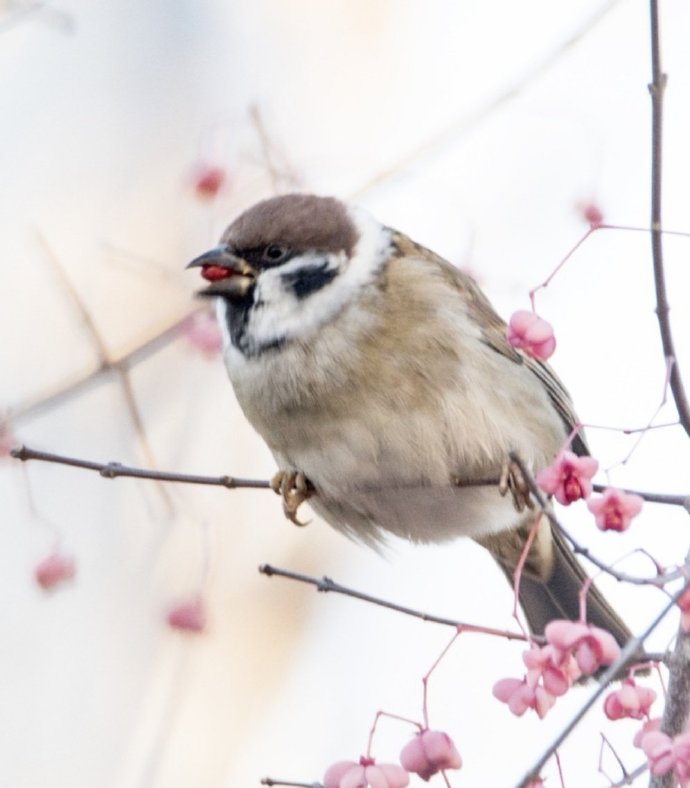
(494, 332)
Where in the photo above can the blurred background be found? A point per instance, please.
(132, 133)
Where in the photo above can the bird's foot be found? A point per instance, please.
(294, 488)
(512, 481)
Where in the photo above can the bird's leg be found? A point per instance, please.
(294, 488)
(512, 480)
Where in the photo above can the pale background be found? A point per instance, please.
(474, 126)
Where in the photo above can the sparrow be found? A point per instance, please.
(381, 379)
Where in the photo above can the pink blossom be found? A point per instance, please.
(430, 752)
(207, 180)
(591, 646)
(201, 329)
(592, 214)
(615, 509)
(667, 754)
(568, 478)
(684, 604)
(522, 694)
(650, 726)
(529, 332)
(188, 616)
(365, 774)
(555, 671)
(54, 569)
(629, 701)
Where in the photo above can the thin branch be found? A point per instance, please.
(325, 584)
(271, 781)
(36, 405)
(112, 470)
(633, 646)
(657, 88)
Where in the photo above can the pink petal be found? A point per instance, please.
(504, 689)
(188, 616)
(208, 179)
(355, 777)
(555, 683)
(387, 775)
(564, 634)
(53, 570)
(441, 751)
(336, 771)
(201, 329)
(612, 707)
(651, 726)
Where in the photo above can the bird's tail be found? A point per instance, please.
(552, 579)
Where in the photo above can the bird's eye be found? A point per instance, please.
(274, 253)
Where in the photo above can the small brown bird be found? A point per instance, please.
(379, 375)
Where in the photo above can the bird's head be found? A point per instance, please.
(289, 264)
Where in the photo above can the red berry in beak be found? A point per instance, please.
(215, 272)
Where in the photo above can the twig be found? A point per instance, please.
(631, 648)
(325, 584)
(271, 781)
(657, 88)
(111, 470)
(27, 453)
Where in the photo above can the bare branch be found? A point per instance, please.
(111, 470)
(325, 584)
(657, 88)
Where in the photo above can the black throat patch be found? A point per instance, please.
(307, 280)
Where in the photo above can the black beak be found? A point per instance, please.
(220, 256)
(229, 275)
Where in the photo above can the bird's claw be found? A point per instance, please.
(294, 488)
(512, 481)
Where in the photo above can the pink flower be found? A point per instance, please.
(528, 332)
(365, 774)
(555, 671)
(592, 647)
(667, 754)
(629, 701)
(428, 753)
(615, 509)
(201, 329)
(188, 616)
(207, 180)
(55, 569)
(521, 695)
(650, 726)
(568, 477)
(592, 213)
(684, 604)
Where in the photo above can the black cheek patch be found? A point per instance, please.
(305, 281)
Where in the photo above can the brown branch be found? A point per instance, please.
(325, 584)
(271, 781)
(27, 453)
(111, 470)
(657, 88)
(633, 646)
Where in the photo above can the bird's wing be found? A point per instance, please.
(493, 330)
